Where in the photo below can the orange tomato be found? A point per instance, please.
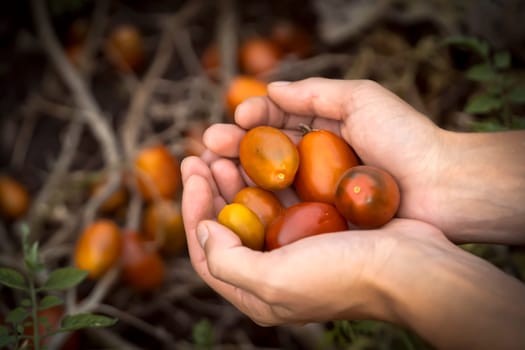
(245, 223)
(324, 158)
(115, 201)
(241, 88)
(367, 196)
(162, 222)
(258, 55)
(302, 220)
(14, 198)
(263, 203)
(125, 48)
(98, 248)
(269, 157)
(158, 173)
(142, 269)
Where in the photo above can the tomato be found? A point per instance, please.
(303, 220)
(241, 88)
(258, 55)
(157, 172)
(14, 198)
(367, 196)
(291, 38)
(162, 222)
(245, 223)
(125, 48)
(115, 201)
(269, 157)
(143, 269)
(324, 158)
(98, 248)
(263, 203)
(49, 321)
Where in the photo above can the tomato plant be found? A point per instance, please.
(245, 223)
(367, 196)
(98, 248)
(258, 55)
(263, 203)
(324, 158)
(158, 173)
(241, 88)
(49, 320)
(269, 157)
(303, 220)
(162, 222)
(14, 198)
(142, 268)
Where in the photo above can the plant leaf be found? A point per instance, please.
(64, 278)
(12, 278)
(17, 315)
(483, 103)
(25, 302)
(502, 60)
(478, 46)
(6, 340)
(481, 72)
(49, 301)
(79, 321)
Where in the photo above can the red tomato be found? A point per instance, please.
(303, 220)
(324, 158)
(367, 196)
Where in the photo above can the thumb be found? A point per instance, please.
(227, 258)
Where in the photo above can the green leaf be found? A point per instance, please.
(483, 103)
(64, 278)
(5, 340)
(49, 301)
(517, 95)
(481, 72)
(502, 60)
(12, 278)
(32, 258)
(202, 334)
(26, 302)
(17, 315)
(79, 321)
(477, 46)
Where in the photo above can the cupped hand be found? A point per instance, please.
(342, 275)
(383, 130)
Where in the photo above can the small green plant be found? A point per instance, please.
(501, 88)
(203, 335)
(14, 332)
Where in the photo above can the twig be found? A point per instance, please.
(187, 54)
(95, 33)
(228, 40)
(91, 112)
(99, 292)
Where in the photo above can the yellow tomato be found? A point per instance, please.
(245, 223)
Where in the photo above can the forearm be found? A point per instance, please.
(481, 192)
(458, 301)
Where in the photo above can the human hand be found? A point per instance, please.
(343, 275)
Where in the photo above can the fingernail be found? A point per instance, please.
(279, 83)
(202, 234)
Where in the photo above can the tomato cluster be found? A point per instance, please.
(334, 189)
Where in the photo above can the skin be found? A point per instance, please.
(454, 187)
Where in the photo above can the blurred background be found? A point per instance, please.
(102, 99)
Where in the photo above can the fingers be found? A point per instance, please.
(223, 139)
(228, 178)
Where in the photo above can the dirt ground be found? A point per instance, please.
(57, 152)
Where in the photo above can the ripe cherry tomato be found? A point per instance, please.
(303, 220)
(158, 173)
(14, 198)
(115, 201)
(125, 48)
(162, 222)
(291, 38)
(259, 55)
(240, 89)
(269, 157)
(245, 223)
(263, 203)
(143, 269)
(367, 196)
(98, 248)
(324, 158)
